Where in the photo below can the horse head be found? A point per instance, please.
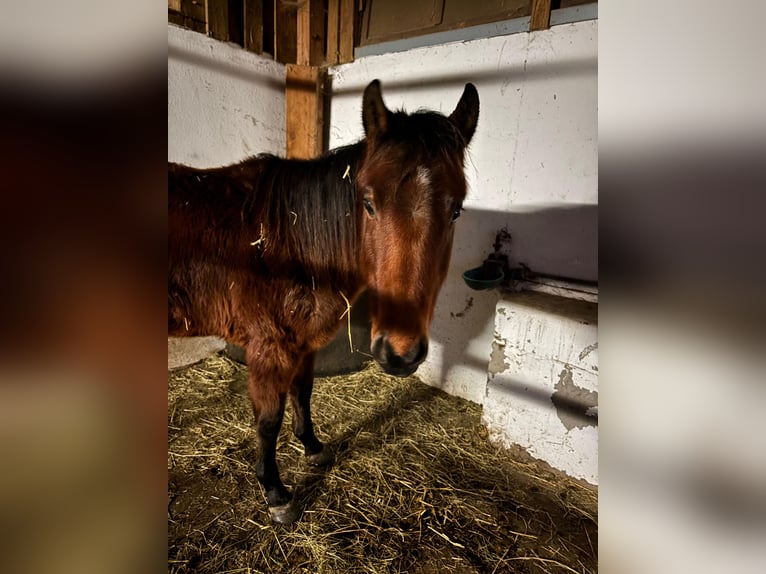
(411, 186)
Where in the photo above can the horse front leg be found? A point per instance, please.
(268, 407)
(303, 427)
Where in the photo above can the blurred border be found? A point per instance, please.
(682, 138)
(83, 145)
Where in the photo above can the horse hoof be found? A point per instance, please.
(322, 458)
(285, 514)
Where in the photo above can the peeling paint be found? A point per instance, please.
(587, 351)
(498, 362)
(576, 407)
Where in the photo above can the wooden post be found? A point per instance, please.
(310, 30)
(304, 99)
(333, 31)
(346, 34)
(253, 26)
(541, 15)
(187, 14)
(304, 111)
(285, 32)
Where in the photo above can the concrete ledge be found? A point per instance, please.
(542, 391)
(185, 351)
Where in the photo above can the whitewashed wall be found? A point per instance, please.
(224, 103)
(542, 392)
(533, 167)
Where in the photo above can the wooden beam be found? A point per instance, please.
(541, 15)
(333, 32)
(310, 31)
(304, 111)
(347, 30)
(253, 26)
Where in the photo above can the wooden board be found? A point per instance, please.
(304, 111)
(310, 29)
(541, 15)
(253, 26)
(217, 13)
(388, 20)
(187, 14)
(333, 31)
(347, 30)
(285, 32)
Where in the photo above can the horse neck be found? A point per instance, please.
(312, 209)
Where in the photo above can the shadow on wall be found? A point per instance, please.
(528, 71)
(256, 77)
(557, 240)
(504, 76)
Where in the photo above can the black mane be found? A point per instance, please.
(311, 206)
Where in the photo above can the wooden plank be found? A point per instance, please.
(175, 18)
(347, 30)
(304, 111)
(333, 31)
(285, 32)
(310, 33)
(303, 34)
(217, 16)
(188, 15)
(253, 26)
(236, 26)
(541, 15)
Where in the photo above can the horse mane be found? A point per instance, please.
(310, 206)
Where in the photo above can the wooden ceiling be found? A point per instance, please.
(325, 32)
(306, 32)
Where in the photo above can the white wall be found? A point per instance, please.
(542, 392)
(533, 167)
(224, 103)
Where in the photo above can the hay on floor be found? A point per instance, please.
(415, 487)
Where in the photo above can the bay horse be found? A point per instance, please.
(267, 254)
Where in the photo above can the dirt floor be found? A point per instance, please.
(415, 487)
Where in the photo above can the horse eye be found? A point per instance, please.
(368, 206)
(456, 213)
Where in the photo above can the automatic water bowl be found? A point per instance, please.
(488, 276)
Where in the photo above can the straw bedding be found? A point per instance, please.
(415, 487)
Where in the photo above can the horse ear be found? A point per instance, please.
(466, 114)
(374, 111)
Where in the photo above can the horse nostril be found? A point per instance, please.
(381, 349)
(395, 364)
(422, 351)
(417, 353)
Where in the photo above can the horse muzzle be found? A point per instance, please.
(394, 363)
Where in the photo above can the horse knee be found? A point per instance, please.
(269, 426)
